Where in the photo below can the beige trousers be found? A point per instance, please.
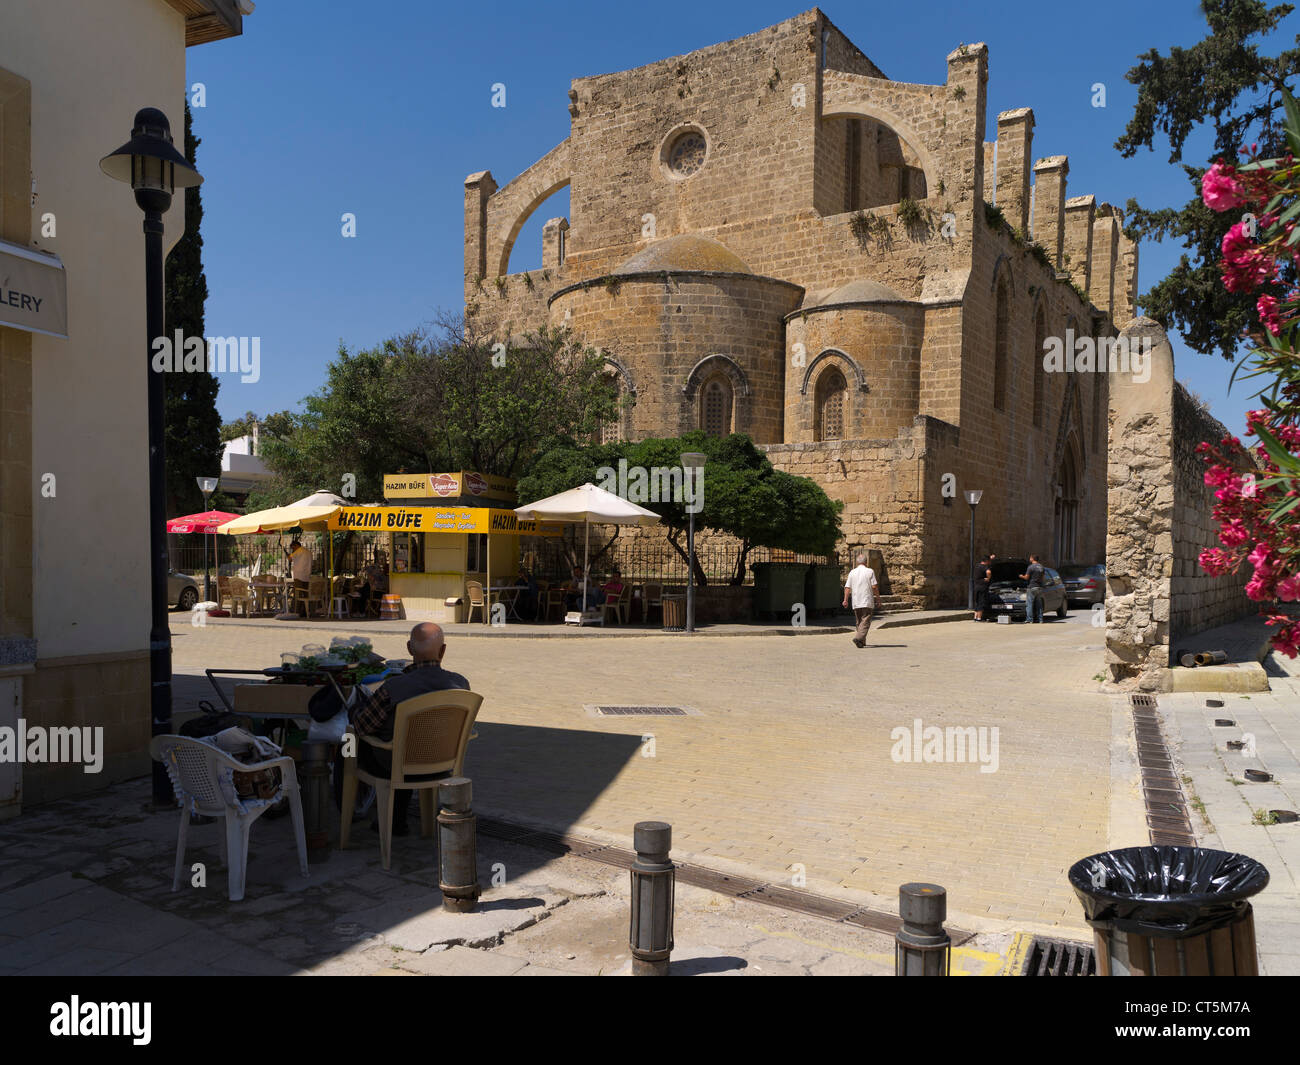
(863, 614)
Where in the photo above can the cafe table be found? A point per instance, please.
(271, 592)
(509, 595)
(273, 701)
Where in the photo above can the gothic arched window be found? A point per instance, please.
(715, 406)
(829, 413)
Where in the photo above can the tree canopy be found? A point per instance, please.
(742, 493)
(427, 401)
(1226, 84)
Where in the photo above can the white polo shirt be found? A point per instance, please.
(860, 583)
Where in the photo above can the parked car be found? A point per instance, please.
(1007, 590)
(183, 590)
(1084, 585)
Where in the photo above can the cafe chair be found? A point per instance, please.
(317, 591)
(652, 598)
(622, 606)
(240, 595)
(554, 601)
(430, 734)
(203, 778)
(477, 601)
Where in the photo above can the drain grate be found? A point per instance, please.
(1141, 699)
(631, 711)
(1059, 957)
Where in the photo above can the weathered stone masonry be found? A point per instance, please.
(738, 246)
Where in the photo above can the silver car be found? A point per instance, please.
(183, 590)
(1084, 585)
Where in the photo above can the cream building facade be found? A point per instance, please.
(74, 585)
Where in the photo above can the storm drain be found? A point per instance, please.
(1168, 820)
(1142, 699)
(1059, 957)
(637, 711)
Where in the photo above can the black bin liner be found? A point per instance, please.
(1173, 892)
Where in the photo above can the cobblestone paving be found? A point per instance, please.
(785, 770)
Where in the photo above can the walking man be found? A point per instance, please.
(1034, 592)
(861, 587)
(981, 578)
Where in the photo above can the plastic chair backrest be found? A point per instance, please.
(475, 591)
(654, 592)
(193, 767)
(430, 732)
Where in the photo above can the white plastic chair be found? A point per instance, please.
(196, 770)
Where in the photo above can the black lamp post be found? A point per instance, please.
(152, 166)
(692, 463)
(973, 498)
(207, 485)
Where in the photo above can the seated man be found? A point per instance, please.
(573, 591)
(613, 587)
(372, 715)
(376, 580)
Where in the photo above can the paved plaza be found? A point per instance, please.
(784, 767)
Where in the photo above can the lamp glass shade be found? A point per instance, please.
(693, 460)
(149, 160)
(207, 484)
(973, 495)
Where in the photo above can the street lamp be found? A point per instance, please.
(207, 485)
(973, 496)
(152, 166)
(692, 462)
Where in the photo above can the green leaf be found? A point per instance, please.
(1277, 452)
(1292, 124)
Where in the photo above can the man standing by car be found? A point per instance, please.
(981, 578)
(861, 587)
(1036, 578)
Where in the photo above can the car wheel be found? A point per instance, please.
(1064, 611)
(188, 598)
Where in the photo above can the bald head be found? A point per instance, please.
(427, 642)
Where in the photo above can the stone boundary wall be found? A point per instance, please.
(1158, 521)
(1199, 601)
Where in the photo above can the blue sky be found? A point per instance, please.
(382, 109)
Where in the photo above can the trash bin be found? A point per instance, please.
(778, 586)
(823, 589)
(1170, 911)
(674, 612)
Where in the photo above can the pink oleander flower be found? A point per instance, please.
(1288, 640)
(1267, 308)
(1259, 557)
(1221, 190)
(1217, 562)
(1288, 590)
(1233, 534)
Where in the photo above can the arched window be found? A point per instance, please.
(611, 431)
(1000, 340)
(715, 406)
(829, 412)
(1040, 378)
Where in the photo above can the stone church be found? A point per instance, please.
(770, 236)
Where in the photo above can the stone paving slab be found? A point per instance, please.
(1214, 775)
(787, 771)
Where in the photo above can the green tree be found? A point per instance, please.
(1222, 82)
(742, 494)
(192, 424)
(280, 424)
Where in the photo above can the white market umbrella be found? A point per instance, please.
(586, 504)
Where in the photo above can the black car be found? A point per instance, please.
(1085, 585)
(1007, 590)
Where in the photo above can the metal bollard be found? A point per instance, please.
(457, 847)
(650, 934)
(314, 770)
(922, 947)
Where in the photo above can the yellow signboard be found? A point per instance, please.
(437, 520)
(448, 486)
